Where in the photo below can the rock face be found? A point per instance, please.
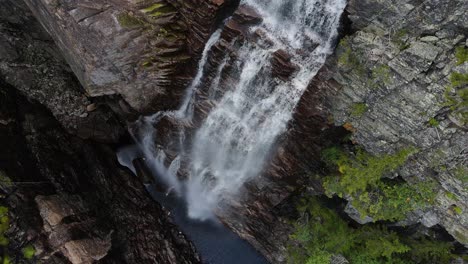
(141, 50)
(65, 192)
(31, 62)
(72, 201)
(396, 62)
(399, 64)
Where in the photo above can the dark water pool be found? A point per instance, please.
(216, 243)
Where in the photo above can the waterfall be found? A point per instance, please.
(231, 145)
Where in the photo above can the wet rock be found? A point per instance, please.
(282, 65)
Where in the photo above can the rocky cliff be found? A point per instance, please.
(62, 190)
(395, 80)
(144, 51)
(398, 66)
(390, 84)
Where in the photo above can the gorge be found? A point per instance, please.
(312, 131)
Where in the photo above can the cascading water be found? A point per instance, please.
(231, 145)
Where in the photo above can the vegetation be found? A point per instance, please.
(433, 122)
(359, 171)
(4, 225)
(28, 252)
(358, 109)
(457, 210)
(127, 20)
(458, 79)
(381, 73)
(360, 177)
(399, 38)
(321, 233)
(456, 94)
(461, 53)
(348, 57)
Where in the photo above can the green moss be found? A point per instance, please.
(358, 109)
(162, 11)
(381, 73)
(153, 7)
(461, 173)
(4, 225)
(458, 79)
(348, 58)
(399, 38)
(450, 195)
(28, 252)
(392, 202)
(127, 20)
(461, 53)
(456, 96)
(6, 259)
(433, 122)
(457, 210)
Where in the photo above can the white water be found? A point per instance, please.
(231, 145)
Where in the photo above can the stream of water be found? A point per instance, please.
(230, 146)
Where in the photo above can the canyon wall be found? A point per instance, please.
(387, 84)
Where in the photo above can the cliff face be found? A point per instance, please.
(395, 67)
(388, 83)
(399, 65)
(141, 50)
(65, 193)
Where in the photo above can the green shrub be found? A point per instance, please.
(321, 233)
(399, 38)
(424, 250)
(358, 171)
(461, 53)
(360, 175)
(391, 202)
(456, 96)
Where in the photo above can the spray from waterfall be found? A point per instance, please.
(231, 145)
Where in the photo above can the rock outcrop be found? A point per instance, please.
(61, 186)
(142, 50)
(398, 65)
(71, 200)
